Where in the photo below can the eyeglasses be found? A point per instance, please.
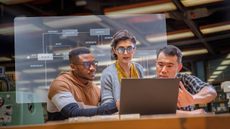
(122, 50)
(88, 64)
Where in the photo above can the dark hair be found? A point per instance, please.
(122, 35)
(74, 54)
(171, 50)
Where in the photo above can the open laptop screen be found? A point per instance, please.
(149, 96)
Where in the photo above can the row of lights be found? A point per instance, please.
(219, 70)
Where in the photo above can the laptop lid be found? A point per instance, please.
(149, 96)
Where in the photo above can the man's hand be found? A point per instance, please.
(116, 113)
(184, 97)
(198, 112)
(194, 112)
(118, 104)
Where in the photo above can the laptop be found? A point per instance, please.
(149, 96)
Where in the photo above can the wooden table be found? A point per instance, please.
(221, 121)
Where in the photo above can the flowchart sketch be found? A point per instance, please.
(45, 56)
(42, 46)
(70, 32)
(99, 32)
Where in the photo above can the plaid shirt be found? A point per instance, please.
(193, 85)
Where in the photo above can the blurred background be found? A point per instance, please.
(200, 28)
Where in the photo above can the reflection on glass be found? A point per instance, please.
(42, 52)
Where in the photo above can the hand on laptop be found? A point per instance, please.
(118, 104)
(184, 97)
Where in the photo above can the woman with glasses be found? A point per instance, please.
(123, 47)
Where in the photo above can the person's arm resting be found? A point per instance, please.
(68, 106)
(73, 110)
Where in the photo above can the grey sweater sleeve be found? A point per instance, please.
(106, 87)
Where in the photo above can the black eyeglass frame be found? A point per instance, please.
(125, 50)
(88, 64)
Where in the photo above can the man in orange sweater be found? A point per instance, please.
(73, 93)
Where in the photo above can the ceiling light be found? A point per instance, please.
(71, 20)
(21, 28)
(150, 57)
(212, 28)
(197, 2)
(180, 35)
(2, 59)
(97, 82)
(81, 3)
(64, 68)
(156, 38)
(138, 43)
(221, 67)
(153, 68)
(210, 80)
(217, 72)
(150, 76)
(43, 80)
(43, 87)
(225, 62)
(23, 89)
(31, 71)
(103, 46)
(10, 72)
(105, 63)
(228, 56)
(8, 30)
(214, 76)
(98, 75)
(8, 2)
(141, 8)
(22, 82)
(188, 72)
(194, 52)
(170, 36)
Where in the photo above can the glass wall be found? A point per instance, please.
(42, 45)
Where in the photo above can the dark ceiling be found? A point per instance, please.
(183, 18)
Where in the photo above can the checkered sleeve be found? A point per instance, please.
(191, 83)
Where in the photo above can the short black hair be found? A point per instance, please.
(171, 50)
(122, 35)
(74, 54)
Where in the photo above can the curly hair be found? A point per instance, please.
(122, 35)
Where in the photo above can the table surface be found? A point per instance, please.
(209, 121)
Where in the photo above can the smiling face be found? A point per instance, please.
(124, 58)
(80, 71)
(167, 66)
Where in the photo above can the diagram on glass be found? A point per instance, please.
(47, 56)
(42, 45)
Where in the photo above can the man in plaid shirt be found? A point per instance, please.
(192, 89)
